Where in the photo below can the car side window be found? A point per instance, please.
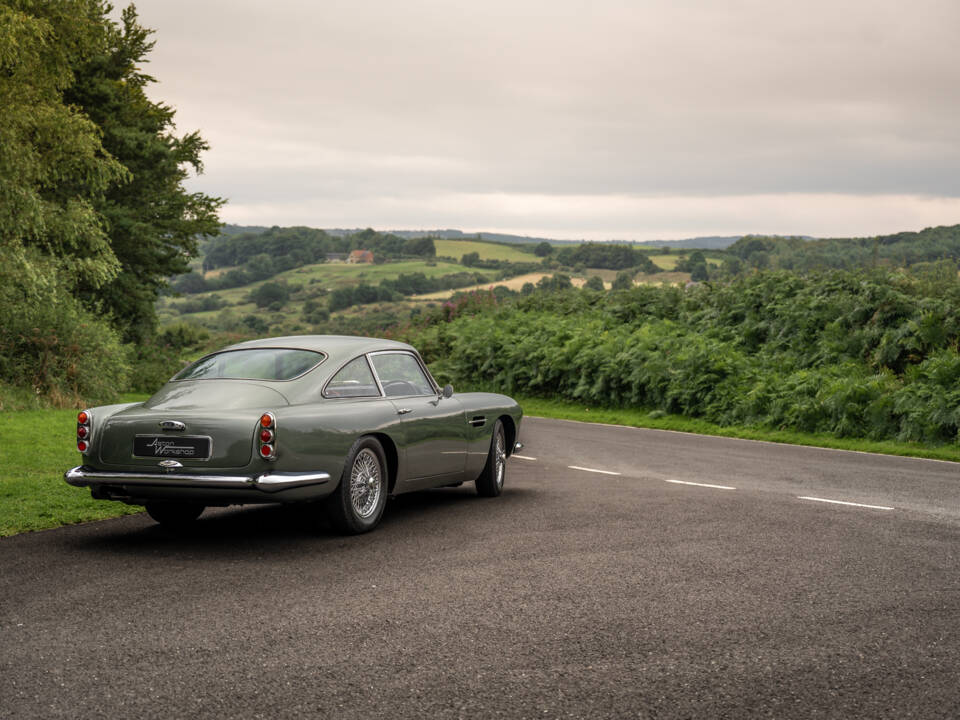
(400, 374)
(353, 380)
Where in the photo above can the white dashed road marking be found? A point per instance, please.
(721, 487)
(844, 502)
(707, 485)
(602, 472)
(523, 457)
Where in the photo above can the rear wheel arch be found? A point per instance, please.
(357, 504)
(392, 457)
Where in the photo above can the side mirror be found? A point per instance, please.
(448, 391)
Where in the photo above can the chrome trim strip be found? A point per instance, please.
(271, 482)
(419, 360)
(266, 482)
(376, 376)
(373, 372)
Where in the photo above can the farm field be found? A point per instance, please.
(668, 278)
(328, 276)
(486, 250)
(514, 283)
(335, 275)
(316, 280)
(290, 313)
(665, 262)
(518, 282)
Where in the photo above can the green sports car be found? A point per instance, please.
(343, 420)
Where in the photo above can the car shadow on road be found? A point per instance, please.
(283, 529)
(463, 501)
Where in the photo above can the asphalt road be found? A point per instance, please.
(575, 594)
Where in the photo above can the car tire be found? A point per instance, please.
(490, 482)
(174, 515)
(357, 504)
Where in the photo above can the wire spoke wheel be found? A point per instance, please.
(358, 502)
(500, 449)
(490, 481)
(365, 483)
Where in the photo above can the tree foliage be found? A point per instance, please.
(92, 213)
(595, 282)
(903, 249)
(295, 246)
(866, 354)
(152, 221)
(270, 293)
(610, 256)
(53, 168)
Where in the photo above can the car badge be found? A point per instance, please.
(169, 465)
(172, 425)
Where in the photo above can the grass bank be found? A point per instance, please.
(39, 448)
(658, 420)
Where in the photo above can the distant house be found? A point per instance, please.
(336, 257)
(360, 256)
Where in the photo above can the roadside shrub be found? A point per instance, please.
(859, 354)
(928, 404)
(158, 359)
(52, 343)
(270, 293)
(193, 305)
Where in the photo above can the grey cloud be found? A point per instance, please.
(677, 98)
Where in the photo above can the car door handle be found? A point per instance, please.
(403, 411)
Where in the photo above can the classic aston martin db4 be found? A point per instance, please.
(342, 420)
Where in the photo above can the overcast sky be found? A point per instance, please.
(643, 119)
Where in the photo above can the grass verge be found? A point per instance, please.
(566, 410)
(33, 495)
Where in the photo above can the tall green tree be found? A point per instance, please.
(53, 169)
(153, 223)
(54, 173)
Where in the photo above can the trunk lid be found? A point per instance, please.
(208, 424)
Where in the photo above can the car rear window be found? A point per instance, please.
(254, 364)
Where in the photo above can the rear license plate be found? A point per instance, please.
(150, 446)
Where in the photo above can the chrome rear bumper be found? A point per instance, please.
(267, 482)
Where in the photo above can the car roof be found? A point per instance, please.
(337, 347)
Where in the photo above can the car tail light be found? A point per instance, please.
(84, 431)
(267, 436)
